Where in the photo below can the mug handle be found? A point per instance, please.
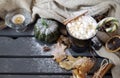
(95, 43)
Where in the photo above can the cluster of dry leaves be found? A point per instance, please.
(80, 66)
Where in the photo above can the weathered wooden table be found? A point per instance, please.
(21, 57)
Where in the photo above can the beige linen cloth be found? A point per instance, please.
(63, 9)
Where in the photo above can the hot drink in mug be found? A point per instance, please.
(81, 31)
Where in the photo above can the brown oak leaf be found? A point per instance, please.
(64, 40)
(68, 62)
(59, 52)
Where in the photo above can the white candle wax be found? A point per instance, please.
(18, 19)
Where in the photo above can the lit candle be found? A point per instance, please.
(18, 19)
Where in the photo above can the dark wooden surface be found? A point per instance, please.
(21, 57)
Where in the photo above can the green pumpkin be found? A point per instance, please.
(46, 30)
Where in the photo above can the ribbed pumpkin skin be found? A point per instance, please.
(49, 33)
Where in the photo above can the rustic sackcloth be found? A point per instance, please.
(63, 9)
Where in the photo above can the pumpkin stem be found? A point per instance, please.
(44, 23)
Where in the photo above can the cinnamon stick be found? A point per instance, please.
(103, 72)
(107, 68)
(73, 18)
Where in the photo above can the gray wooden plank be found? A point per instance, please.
(12, 33)
(29, 65)
(41, 76)
(35, 65)
(30, 76)
(27, 46)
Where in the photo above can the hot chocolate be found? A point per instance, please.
(82, 28)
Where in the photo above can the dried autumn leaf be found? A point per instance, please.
(78, 74)
(65, 40)
(46, 48)
(84, 64)
(67, 63)
(73, 58)
(81, 67)
(59, 52)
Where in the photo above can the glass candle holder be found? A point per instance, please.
(18, 19)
